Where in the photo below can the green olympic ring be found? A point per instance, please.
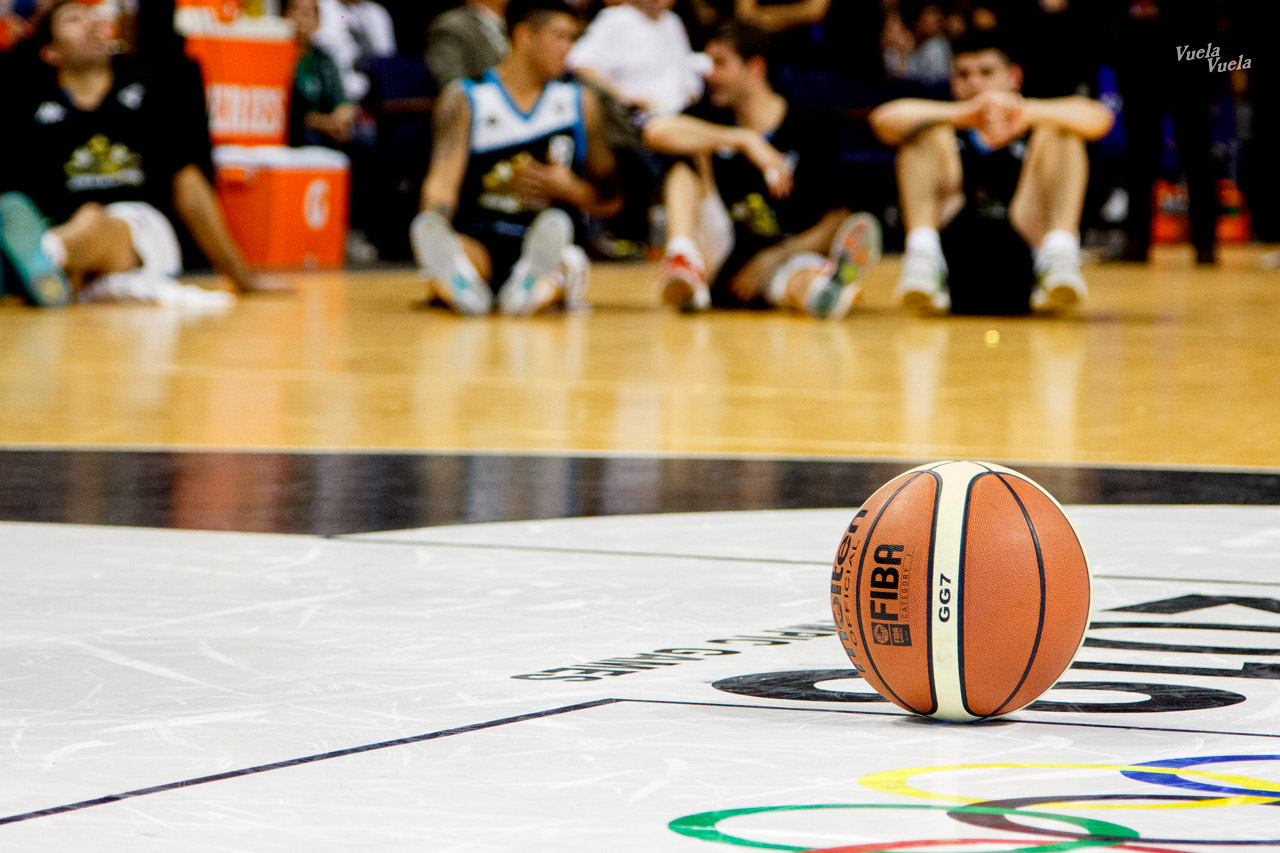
(704, 825)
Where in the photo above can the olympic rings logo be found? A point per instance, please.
(999, 815)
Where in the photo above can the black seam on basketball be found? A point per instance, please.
(1035, 647)
(862, 558)
(1084, 558)
(959, 596)
(928, 622)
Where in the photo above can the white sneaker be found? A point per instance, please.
(576, 269)
(1060, 286)
(854, 250)
(439, 254)
(921, 287)
(536, 281)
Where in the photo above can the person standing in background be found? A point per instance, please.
(1153, 81)
(354, 31)
(467, 41)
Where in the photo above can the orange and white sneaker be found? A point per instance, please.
(536, 281)
(683, 283)
(854, 250)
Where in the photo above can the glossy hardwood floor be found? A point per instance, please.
(1168, 365)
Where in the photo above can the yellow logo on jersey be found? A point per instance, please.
(102, 164)
(756, 215)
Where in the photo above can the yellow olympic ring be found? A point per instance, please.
(895, 782)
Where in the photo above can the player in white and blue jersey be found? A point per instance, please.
(516, 152)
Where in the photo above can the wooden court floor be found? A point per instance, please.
(1168, 365)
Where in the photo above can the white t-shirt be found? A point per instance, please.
(646, 60)
(342, 27)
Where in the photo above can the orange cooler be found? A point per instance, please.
(248, 74)
(287, 207)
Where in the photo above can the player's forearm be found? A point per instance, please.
(597, 198)
(590, 75)
(689, 136)
(1084, 117)
(440, 196)
(776, 18)
(198, 208)
(897, 121)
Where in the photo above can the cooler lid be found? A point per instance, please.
(279, 157)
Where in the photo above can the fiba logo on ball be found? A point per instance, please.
(315, 204)
(979, 566)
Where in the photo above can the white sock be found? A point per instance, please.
(1054, 242)
(924, 240)
(776, 292)
(684, 246)
(51, 244)
(1060, 241)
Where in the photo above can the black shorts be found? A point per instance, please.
(503, 240)
(745, 247)
(991, 269)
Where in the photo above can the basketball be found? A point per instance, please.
(961, 591)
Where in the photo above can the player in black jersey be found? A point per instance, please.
(517, 150)
(114, 152)
(1004, 179)
(767, 172)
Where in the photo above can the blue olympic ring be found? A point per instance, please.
(1170, 779)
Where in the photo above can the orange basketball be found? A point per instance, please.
(961, 591)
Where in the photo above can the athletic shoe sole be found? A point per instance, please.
(1063, 297)
(530, 288)
(685, 294)
(857, 247)
(21, 227)
(854, 250)
(436, 250)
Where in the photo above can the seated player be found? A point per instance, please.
(516, 150)
(772, 169)
(999, 174)
(104, 146)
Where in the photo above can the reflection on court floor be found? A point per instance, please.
(665, 682)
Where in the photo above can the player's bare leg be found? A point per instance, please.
(96, 244)
(930, 186)
(1046, 211)
(683, 279)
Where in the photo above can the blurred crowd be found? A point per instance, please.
(370, 72)
(1181, 123)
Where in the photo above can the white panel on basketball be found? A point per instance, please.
(944, 633)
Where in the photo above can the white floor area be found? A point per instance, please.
(622, 684)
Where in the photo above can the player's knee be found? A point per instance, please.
(1045, 136)
(90, 212)
(938, 139)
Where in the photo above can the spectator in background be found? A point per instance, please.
(467, 41)
(353, 31)
(916, 45)
(319, 110)
(636, 53)
(108, 149)
(999, 175)
(1153, 81)
(794, 25)
(639, 52)
(771, 170)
